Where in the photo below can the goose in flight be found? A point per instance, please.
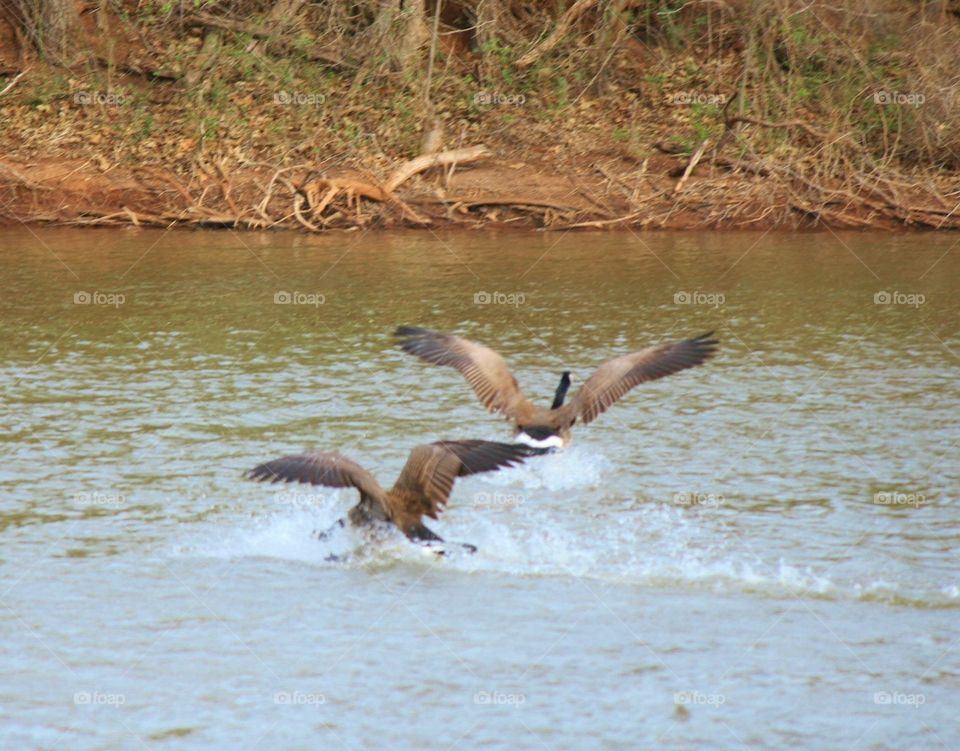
(491, 380)
(423, 488)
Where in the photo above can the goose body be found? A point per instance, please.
(422, 489)
(488, 375)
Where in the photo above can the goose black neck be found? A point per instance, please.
(561, 390)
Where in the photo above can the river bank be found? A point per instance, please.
(583, 119)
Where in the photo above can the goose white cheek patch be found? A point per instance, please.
(551, 442)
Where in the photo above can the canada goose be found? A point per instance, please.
(422, 489)
(492, 381)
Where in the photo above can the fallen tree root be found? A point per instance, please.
(308, 195)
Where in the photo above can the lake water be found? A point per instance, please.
(758, 553)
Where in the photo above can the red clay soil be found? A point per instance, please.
(488, 192)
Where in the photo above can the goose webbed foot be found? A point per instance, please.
(442, 548)
(430, 541)
(423, 534)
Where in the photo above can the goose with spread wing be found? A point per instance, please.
(488, 375)
(423, 488)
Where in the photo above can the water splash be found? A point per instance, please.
(575, 467)
(654, 545)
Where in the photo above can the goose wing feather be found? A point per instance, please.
(329, 469)
(427, 479)
(484, 370)
(616, 377)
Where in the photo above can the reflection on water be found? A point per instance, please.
(802, 486)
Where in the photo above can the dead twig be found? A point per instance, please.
(13, 81)
(599, 223)
(691, 165)
(425, 161)
(732, 121)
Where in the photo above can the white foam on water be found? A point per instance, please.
(634, 543)
(286, 534)
(575, 467)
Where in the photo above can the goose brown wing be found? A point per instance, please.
(484, 369)
(329, 469)
(425, 484)
(616, 377)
